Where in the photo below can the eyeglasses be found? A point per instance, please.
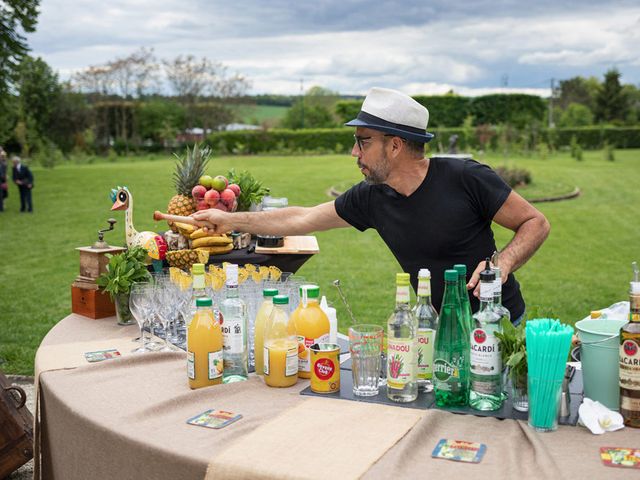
(360, 140)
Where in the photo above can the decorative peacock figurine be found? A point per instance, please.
(152, 242)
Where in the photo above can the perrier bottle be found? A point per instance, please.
(630, 358)
(402, 346)
(451, 356)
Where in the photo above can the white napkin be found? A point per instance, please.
(598, 418)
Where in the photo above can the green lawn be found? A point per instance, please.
(257, 114)
(584, 264)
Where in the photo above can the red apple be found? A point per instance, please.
(219, 183)
(198, 192)
(212, 197)
(202, 205)
(236, 189)
(228, 197)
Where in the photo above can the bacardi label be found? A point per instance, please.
(401, 358)
(425, 353)
(215, 364)
(485, 353)
(304, 354)
(630, 365)
(232, 336)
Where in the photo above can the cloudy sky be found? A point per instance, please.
(417, 46)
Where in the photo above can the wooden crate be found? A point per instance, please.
(16, 428)
(91, 303)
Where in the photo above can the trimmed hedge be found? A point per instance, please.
(451, 110)
(340, 140)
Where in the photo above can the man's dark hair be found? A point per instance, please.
(416, 148)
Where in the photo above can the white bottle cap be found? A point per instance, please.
(424, 272)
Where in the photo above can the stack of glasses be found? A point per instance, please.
(548, 344)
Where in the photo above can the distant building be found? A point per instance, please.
(198, 134)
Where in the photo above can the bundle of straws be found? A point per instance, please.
(548, 344)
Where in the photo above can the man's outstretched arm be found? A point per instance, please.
(281, 221)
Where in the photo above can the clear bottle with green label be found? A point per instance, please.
(463, 293)
(451, 353)
(402, 346)
(427, 318)
(485, 390)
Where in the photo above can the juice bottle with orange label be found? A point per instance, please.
(260, 324)
(310, 324)
(204, 347)
(280, 347)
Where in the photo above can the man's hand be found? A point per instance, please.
(475, 276)
(214, 220)
(18, 182)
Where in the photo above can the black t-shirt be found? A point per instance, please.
(447, 220)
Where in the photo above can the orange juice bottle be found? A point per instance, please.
(261, 321)
(204, 347)
(280, 347)
(310, 324)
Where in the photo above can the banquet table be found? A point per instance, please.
(126, 418)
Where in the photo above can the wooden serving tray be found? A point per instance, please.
(302, 244)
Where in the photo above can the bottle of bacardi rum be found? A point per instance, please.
(485, 392)
(451, 355)
(427, 318)
(630, 358)
(402, 346)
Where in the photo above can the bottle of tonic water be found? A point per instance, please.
(486, 361)
(402, 350)
(451, 356)
(427, 319)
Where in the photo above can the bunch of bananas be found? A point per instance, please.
(214, 244)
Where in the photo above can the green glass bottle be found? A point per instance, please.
(465, 304)
(485, 390)
(451, 356)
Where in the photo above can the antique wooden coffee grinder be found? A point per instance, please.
(86, 297)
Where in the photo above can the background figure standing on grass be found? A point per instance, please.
(23, 178)
(4, 188)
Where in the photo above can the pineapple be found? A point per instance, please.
(189, 169)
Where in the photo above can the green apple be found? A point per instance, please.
(205, 181)
(219, 183)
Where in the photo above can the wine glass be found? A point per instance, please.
(139, 300)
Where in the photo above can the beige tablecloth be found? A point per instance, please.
(126, 418)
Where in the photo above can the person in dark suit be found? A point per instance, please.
(23, 178)
(4, 189)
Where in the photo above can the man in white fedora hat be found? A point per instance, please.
(431, 212)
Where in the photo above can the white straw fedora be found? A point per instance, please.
(393, 112)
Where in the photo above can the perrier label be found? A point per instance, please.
(451, 355)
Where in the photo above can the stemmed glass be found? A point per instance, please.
(163, 301)
(140, 300)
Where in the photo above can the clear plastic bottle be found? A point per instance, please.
(402, 346)
(427, 318)
(310, 324)
(264, 312)
(204, 347)
(485, 392)
(280, 347)
(234, 331)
